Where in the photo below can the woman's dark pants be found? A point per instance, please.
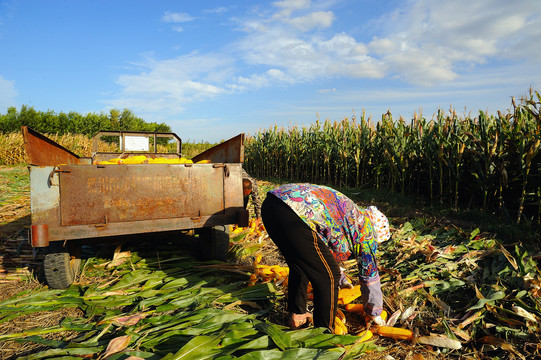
(308, 258)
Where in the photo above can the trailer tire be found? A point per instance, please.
(60, 267)
(214, 242)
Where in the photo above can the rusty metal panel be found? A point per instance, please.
(230, 151)
(234, 200)
(122, 193)
(44, 195)
(42, 151)
(138, 227)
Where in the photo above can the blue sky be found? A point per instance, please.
(213, 69)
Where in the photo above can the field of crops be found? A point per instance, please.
(12, 146)
(483, 162)
(155, 300)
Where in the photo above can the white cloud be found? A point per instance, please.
(168, 85)
(318, 19)
(325, 91)
(177, 17)
(217, 10)
(428, 41)
(271, 77)
(8, 93)
(422, 43)
(289, 6)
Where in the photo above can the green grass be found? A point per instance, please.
(14, 184)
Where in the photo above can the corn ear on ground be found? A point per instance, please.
(365, 335)
(394, 332)
(345, 296)
(341, 316)
(339, 327)
(354, 308)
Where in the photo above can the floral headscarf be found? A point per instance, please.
(381, 224)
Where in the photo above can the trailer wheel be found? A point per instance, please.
(61, 266)
(214, 242)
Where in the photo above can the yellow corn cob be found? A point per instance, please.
(106, 163)
(345, 296)
(394, 332)
(339, 327)
(341, 316)
(203, 162)
(160, 160)
(355, 308)
(365, 335)
(137, 159)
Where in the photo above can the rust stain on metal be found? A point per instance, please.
(230, 151)
(42, 151)
(138, 192)
(39, 235)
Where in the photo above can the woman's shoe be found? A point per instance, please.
(296, 321)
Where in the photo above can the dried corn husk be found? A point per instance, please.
(440, 341)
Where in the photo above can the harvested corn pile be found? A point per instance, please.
(142, 159)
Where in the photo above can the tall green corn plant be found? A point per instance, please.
(396, 143)
(429, 150)
(527, 117)
(455, 152)
(362, 135)
(441, 136)
(486, 145)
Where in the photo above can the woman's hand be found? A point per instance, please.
(344, 282)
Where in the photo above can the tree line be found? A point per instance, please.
(50, 122)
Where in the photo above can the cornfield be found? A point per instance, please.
(12, 147)
(486, 162)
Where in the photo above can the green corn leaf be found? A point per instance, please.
(136, 354)
(325, 341)
(279, 337)
(40, 340)
(292, 354)
(199, 348)
(57, 353)
(491, 300)
(441, 286)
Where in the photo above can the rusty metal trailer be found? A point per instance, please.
(75, 199)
